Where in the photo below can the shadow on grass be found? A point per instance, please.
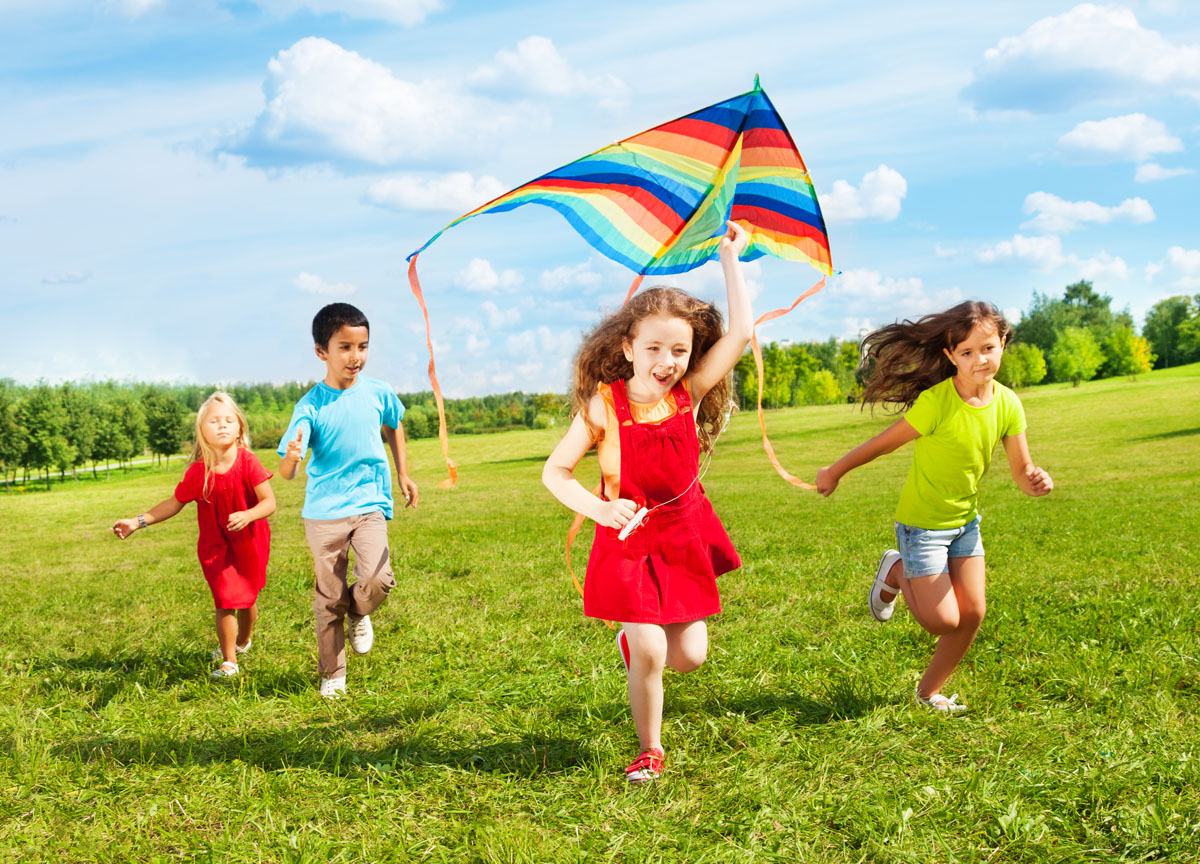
(323, 747)
(842, 699)
(1174, 433)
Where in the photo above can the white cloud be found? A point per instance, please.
(568, 277)
(1053, 215)
(133, 8)
(1152, 171)
(327, 104)
(1045, 253)
(311, 284)
(1012, 314)
(860, 297)
(536, 67)
(1132, 138)
(500, 318)
(1182, 265)
(542, 340)
(941, 251)
(1088, 53)
(406, 12)
(877, 197)
(478, 276)
(477, 344)
(69, 277)
(456, 192)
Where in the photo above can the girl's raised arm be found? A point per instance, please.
(891, 438)
(558, 474)
(163, 510)
(723, 355)
(1031, 479)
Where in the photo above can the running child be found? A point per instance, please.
(651, 388)
(233, 499)
(348, 498)
(941, 369)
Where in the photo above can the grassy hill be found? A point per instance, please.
(490, 721)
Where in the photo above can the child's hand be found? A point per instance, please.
(826, 481)
(735, 240)
(409, 488)
(295, 449)
(1039, 481)
(614, 514)
(239, 520)
(124, 527)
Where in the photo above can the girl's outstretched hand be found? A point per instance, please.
(614, 514)
(735, 240)
(124, 527)
(1039, 481)
(826, 481)
(238, 521)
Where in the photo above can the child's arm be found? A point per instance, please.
(1031, 479)
(295, 455)
(559, 477)
(396, 441)
(264, 508)
(163, 510)
(896, 435)
(727, 350)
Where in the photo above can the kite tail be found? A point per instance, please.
(415, 284)
(637, 283)
(758, 365)
(575, 526)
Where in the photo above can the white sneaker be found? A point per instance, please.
(225, 670)
(333, 688)
(883, 611)
(360, 633)
(240, 649)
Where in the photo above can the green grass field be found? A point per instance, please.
(490, 721)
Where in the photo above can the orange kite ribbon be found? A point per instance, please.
(415, 284)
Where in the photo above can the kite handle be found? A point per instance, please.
(758, 365)
(415, 284)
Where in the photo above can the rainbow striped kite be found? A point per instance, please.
(658, 201)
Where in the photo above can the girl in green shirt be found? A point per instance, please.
(941, 371)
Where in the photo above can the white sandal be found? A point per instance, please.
(879, 610)
(938, 702)
(225, 670)
(240, 649)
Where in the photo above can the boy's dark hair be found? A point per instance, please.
(333, 318)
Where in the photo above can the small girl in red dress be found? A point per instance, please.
(233, 499)
(651, 389)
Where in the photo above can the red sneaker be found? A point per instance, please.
(623, 647)
(647, 766)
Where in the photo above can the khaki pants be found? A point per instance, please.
(330, 541)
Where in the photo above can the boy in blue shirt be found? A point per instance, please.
(348, 499)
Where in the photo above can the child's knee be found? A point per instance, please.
(943, 623)
(689, 661)
(972, 616)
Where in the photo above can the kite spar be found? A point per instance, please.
(658, 201)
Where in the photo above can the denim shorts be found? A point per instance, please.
(927, 551)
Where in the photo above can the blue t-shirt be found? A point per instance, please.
(348, 473)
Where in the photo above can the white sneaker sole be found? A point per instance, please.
(884, 612)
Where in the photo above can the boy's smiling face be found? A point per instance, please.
(344, 356)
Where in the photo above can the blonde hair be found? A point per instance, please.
(201, 451)
(601, 358)
(900, 360)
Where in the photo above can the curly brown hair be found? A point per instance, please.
(900, 360)
(601, 358)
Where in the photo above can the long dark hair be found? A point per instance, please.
(902, 359)
(601, 359)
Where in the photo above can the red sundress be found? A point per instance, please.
(234, 562)
(666, 571)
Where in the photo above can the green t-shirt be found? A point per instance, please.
(953, 453)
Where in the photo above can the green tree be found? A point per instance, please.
(1127, 353)
(1022, 366)
(44, 418)
(82, 424)
(1162, 330)
(820, 388)
(1189, 338)
(12, 436)
(166, 422)
(1076, 356)
(417, 422)
(1080, 306)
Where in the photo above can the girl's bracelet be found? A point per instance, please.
(141, 520)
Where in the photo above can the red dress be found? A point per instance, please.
(234, 562)
(665, 572)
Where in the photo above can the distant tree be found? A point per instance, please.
(122, 427)
(1162, 330)
(1189, 337)
(166, 422)
(12, 436)
(1076, 356)
(1023, 365)
(1127, 353)
(82, 424)
(44, 419)
(417, 422)
(1080, 306)
(820, 388)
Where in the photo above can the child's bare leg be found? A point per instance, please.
(227, 628)
(950, 606)
(687, 645)
(647, 654)
(245, 624)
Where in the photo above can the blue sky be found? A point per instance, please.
(183, 184)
